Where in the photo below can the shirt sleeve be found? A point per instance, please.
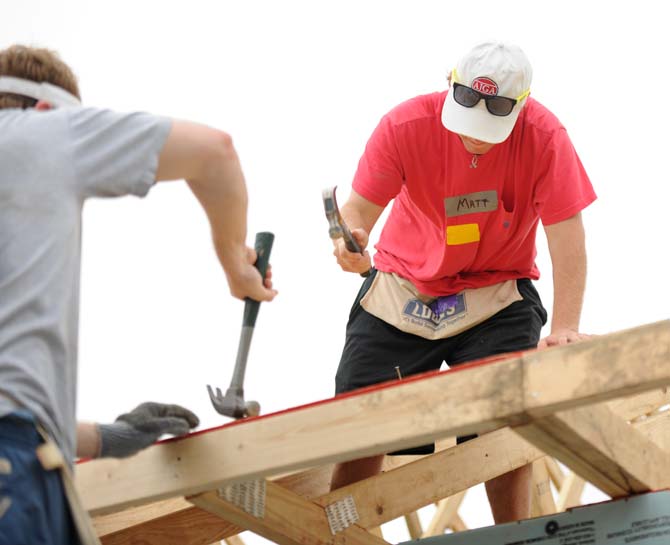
(115, 154)
(379, 176)
(564, 188)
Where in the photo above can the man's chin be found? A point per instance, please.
(474, 146)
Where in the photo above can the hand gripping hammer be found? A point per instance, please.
(233, 404)
(337, 228)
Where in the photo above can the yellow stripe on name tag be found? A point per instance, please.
(462, 234)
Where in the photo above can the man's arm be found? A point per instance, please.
(567, 249)
(207, 160)
(360, 216)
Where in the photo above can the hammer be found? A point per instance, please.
(337, 228)
(233, 404)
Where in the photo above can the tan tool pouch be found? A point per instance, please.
(52, 459)
(397, 302)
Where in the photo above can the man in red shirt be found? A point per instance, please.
(472, 171)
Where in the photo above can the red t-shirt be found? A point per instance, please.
(453, 226)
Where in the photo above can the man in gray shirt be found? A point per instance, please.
(54, 154)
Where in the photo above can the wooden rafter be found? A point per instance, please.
(603, 448)
(566, 401)
(542, 499)
(283, 510)
(190, 525)
(447, 510)
(570, 492)
(378, 500)
(476, 398)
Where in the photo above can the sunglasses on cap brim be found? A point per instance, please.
(496, 105)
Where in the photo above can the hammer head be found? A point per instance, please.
(332, 213)
(233, 404)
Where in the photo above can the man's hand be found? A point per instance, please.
(561, 337)
(353, 261)
(244, 279)
(133, 431)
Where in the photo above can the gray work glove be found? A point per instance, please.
(133, 431)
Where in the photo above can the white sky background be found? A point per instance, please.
(300, 85)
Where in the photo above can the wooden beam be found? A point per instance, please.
(656, 428)
(604, 368)
(413, 525)
(411, 413)
(406, 413)
(381, 498)
(185, 525)
(570, 493)
(635, 406)
(542, 499)
(181, 521)
(555, 472)
(288, 519)
(602, 448)
(457, 524)
(390, 495)
(447, 509)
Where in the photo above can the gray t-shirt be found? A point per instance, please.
(50, 163)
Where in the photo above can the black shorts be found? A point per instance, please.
(373, 349)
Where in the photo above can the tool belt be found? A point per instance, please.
(397, 302)
(51, 459)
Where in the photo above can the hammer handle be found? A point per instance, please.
(263, 246)
(351, 244)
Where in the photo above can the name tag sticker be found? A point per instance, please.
(481, 201)
(462, 234)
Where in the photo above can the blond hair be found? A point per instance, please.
(34, 64)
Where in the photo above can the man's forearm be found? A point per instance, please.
(568, 255)
(569, 285)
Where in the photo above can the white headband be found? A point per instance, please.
(39, 91)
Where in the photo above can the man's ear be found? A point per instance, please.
(43, 106)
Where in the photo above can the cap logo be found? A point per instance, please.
(485, 86)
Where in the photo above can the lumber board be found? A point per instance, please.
(457, 524)
(393, 493)
(447, 509)
(184, 525)
(413, 525)
(635, 406)
(404, 413)
(390, 495)
(570, 493)
(542, 499)
(412, 413)
(619, 364)
(657, 428)
(602, 448)
(555, 472)
(288, 519)
(190, 525)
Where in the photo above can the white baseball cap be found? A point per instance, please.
(490, 69)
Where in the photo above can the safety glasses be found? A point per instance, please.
(496, 105)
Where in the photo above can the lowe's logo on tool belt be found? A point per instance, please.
(485, 86)
(442, 309)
